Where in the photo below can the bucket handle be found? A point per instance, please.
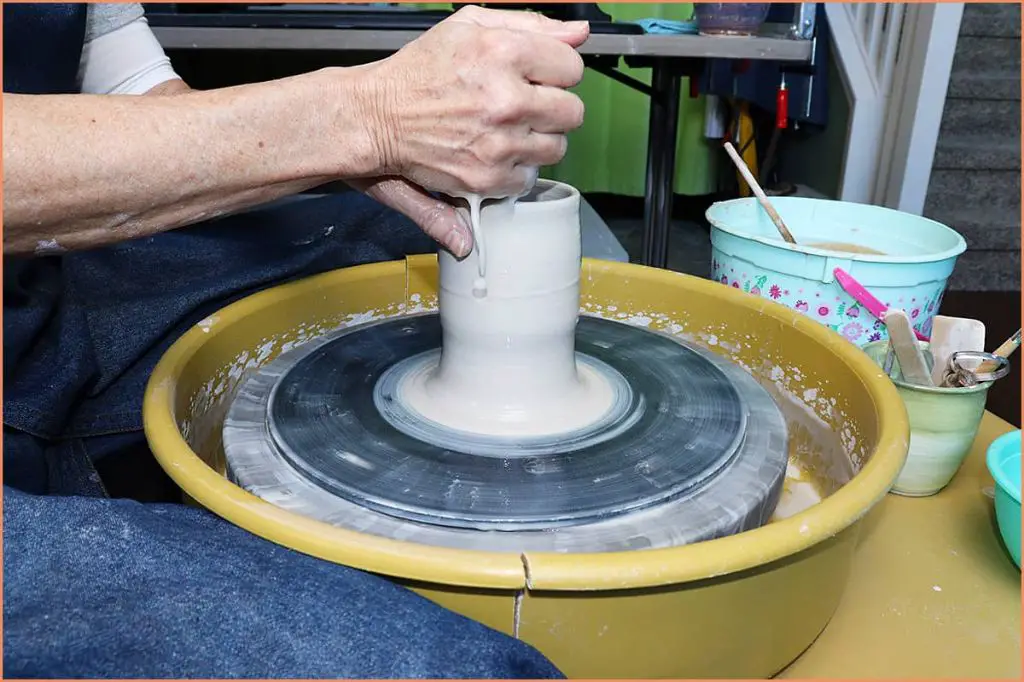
(828, 273)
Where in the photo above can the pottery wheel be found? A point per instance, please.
(694, 448)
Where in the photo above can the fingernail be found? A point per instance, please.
(577, 25)
(456, 243)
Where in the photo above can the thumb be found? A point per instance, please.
(574, 33)
(437, 218)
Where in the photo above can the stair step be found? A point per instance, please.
(986, 271)
(991, 19)
(984, 86)
(973, 117)
(983, 229)
(977, 152)
(990, 61)
(995, 191)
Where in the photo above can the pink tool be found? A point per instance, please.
(864, 297)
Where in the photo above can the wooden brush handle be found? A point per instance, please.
(1004, 351)
(744, 170)
(776, 218)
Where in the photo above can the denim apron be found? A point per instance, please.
(142, 591)
(83, 331)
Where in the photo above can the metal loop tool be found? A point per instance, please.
(960, 376)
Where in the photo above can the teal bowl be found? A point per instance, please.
(913, 259)
(1004, 464)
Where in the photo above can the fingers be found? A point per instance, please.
(548, 62)
(515, 180)
(543, 149)
(483, 97)
(572, 33)
(438, 219)
(553, 110)
(531, 175)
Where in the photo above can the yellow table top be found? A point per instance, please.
(932, 593)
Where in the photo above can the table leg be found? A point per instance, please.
(661, 159)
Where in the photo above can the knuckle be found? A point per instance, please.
(433, 214)
(501, 48)
(497, 150)
(468, 12)
(504, 106)
(468, 40)
(479, 38)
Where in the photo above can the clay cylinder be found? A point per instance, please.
(509, 356)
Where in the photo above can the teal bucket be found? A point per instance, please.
(919, 255)
(1004, 464)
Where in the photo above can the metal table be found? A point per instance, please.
(670, 57)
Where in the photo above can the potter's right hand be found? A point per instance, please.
(478, 100)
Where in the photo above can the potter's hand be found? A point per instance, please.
(459, 110)
(477, 100)
(435, 217)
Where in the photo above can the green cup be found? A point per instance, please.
(943, 425)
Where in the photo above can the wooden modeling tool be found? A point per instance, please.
(1005, 350)
(908, 351)
(950, 335)
(762, 198)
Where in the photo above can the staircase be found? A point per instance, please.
(975, 182)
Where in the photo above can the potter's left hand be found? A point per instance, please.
(437, 218)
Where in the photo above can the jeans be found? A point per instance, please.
(96, 587)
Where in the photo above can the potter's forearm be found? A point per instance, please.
(81, 171)
(171, 87)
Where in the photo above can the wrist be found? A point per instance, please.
(351, 131)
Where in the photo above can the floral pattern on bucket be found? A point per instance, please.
(829, 304)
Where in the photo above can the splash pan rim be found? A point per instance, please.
(548, 570)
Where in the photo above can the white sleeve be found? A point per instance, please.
(121, 58)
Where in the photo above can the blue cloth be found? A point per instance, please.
(80, 371)
(668, 27)
(95, 587)
(112, 588)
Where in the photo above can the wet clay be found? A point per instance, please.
(508, 362)
(842, 247)
(480, 283)
(475, 202)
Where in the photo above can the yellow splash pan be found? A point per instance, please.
(740, 606)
